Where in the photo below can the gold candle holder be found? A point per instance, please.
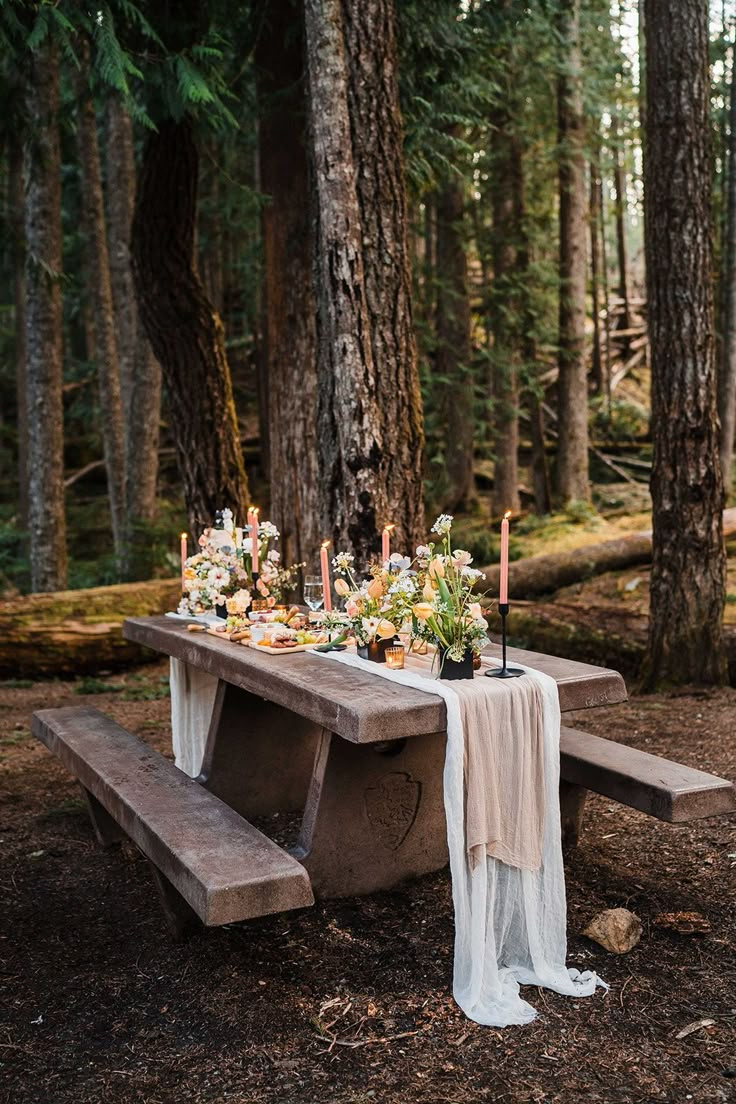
(395, 657)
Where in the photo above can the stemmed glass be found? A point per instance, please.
(313, 592)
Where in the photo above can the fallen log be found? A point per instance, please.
(537, 575)
(75, 632)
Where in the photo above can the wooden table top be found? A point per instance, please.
(347, 701)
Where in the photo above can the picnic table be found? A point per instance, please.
(359, 758)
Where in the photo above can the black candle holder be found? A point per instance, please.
(503, 671)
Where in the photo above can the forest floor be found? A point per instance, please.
(350, 1001)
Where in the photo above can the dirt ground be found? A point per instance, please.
(350, 1001)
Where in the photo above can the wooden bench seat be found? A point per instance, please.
(209, 861)
(666, 790)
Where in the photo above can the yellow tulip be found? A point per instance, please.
(422, 610)
(437, 567)
(428, 591)
(386, 630)
(341, 587)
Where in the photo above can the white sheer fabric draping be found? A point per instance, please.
(192, 698)
(510, 924)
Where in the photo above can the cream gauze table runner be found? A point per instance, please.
(192, 698)
(510, 920)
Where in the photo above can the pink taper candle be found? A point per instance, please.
(503, 594)
(325, 565)
(253, 526)
(386, 543)
(183, 559)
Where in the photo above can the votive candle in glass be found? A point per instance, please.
(395, 656)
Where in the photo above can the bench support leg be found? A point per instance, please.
(107, 830)
(181, 919)
(572, 807)
(374, 815)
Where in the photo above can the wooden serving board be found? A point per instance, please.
(281, 651)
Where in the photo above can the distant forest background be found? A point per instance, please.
(522, 149)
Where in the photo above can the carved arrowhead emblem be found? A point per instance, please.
(391, 806)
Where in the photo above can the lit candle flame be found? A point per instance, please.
(326, 543)
(183, 536)
(389, 527)
(507, 515)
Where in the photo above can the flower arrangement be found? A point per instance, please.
(449, 614)
(221, 572)
(432, 597)
(375, 608)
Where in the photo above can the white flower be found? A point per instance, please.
(370, 624)
(443, 524)
(274, 555)
(397, 562)
(218, 577)
(471, 573)
(404, 584)
(239, 602)
(268, 530)
(343, 561)
(423, 552)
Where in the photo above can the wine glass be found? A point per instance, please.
(313, 592)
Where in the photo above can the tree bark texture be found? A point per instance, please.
(452, 364)
(16, 207)
(98, 277)
(369, 424)
(572, 403)
(140, 372)
(619, 188)
(378, 155)
(185, 331)
(688, 562)
(727, 373)
(120, 197)
(507, 204)
(46, 518)
(289, 323)
(595, 277)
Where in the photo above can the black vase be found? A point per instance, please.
(221, 609)
(456, 669)
(375, 651)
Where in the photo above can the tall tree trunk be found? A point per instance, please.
(378, 155)
(595, 277)
(727, 374)
(572, 401)
(140, 372)
(688, 561)
(120, 196)
(185, 331)
(606, 366)
(46, 518)
(16, 212)
(210, 240)
(370, 436)
(98, 273)
(289, 326)
(507, 189)
(453, 351)
(619, 188)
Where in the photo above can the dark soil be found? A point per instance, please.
(350, 1000)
